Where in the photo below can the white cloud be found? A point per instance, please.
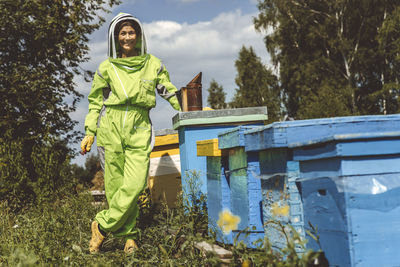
(210, 46)
(186, 49)
(162, 29)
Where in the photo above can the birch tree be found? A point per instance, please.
(335, 57)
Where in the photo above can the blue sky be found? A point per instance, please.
(189, 36)
(184, 11)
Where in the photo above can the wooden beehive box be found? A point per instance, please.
(164, 179)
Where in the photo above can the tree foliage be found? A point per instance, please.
(46, 175)
(258, 86)
(42, 45)
(85, 174)
(216, 96)
(335, 57)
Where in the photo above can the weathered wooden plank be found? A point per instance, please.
(233, 137)
(167, 164)
(166, 140)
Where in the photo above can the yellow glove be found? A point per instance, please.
(86, 144)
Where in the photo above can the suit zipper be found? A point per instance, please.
(123, 88)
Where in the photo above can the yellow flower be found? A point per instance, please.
(228, 222)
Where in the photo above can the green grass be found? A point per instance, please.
(58, 233)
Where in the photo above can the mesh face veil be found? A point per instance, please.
(113, 45)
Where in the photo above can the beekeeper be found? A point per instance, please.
(123, 92)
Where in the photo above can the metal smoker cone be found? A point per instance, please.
(196, 79)
(191, 96)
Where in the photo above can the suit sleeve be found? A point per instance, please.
(166, 89)
(95, 104)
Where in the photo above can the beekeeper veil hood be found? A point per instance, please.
(113, 44)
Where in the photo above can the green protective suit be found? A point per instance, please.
(123, 92)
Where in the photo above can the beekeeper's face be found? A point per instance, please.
(127, 39)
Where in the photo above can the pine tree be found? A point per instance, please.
(216, 96)
(258, 86)
(335, 57)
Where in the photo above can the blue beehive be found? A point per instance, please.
(350, 188)
(245, 187)
(202, 125)
(280, 197)
(279, 170)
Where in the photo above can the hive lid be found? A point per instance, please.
(283, 134)
(221, 116)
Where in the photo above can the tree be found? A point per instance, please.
(216, 95)
(42, 45)
(258, 86)
(335, 57)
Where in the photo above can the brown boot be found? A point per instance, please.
(130, 246)
(97, 238)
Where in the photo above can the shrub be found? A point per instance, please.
(33, 173)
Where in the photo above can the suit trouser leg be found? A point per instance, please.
(126, 170)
